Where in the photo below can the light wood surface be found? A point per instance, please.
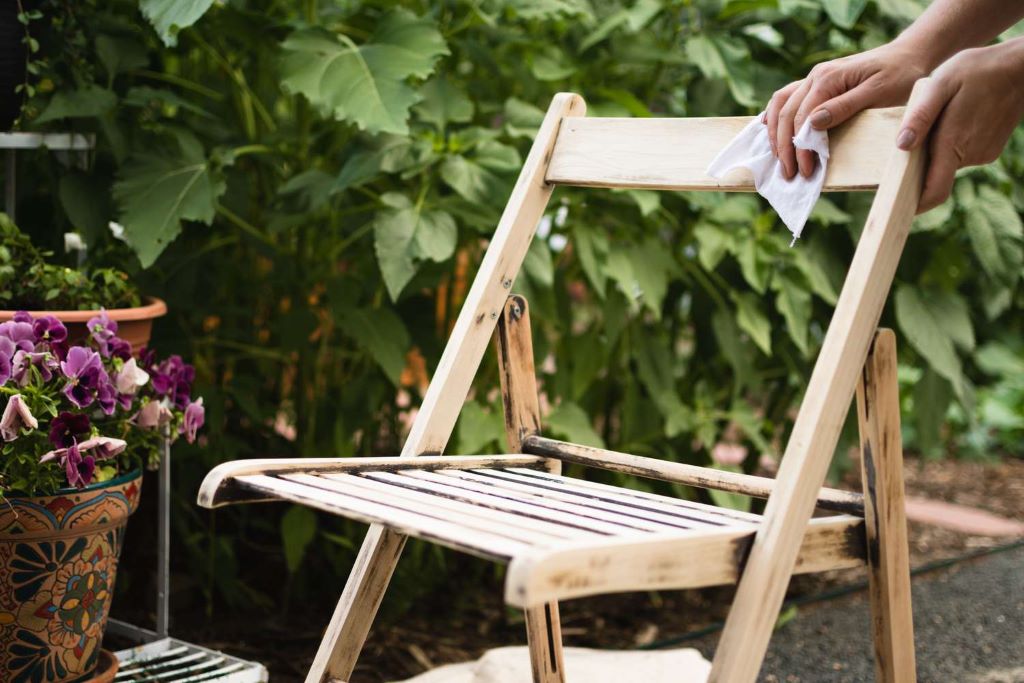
(674, 153)
(514, 344)
(219, 488)
(881, 448)
(816, 431)
(705, 557)
(448, 389)
(681, 473)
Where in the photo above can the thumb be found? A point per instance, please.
(926, 103)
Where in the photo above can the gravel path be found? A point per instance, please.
(969, 623)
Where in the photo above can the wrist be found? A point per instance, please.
(919, 53)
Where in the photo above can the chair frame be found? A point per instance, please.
(853, 359)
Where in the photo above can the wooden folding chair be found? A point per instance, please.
(564, 537)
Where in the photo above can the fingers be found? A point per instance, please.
(923, 111)
(944, 160)
(806, 159)
(784, 142)
(839, 109)
(772, 113)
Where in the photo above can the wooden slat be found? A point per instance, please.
(694, 559)
(447, 391)
(601, 520)
(681, 473)
(673, 506)
(881, 448)
(434, 504)
(217, 491)
(486, 545)
(525, 503)
(822, 412)
(488, 507)
(673, 154)
(623, 507)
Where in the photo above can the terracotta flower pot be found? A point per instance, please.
(133, 324)
(58, 562)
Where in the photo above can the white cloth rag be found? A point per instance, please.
(791, 199)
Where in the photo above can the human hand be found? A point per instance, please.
(836, 90)
(971, 104)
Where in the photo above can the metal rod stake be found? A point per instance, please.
(163, 574)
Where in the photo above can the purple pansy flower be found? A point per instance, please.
(99, 447)
(66, 427)
(20, 333)
(16, 417)
(49, 330)
(79, 468)
(195, 417)
(23, 362)
(102, 329)
(7, 350)
(173, 379)
(85, 374)
(120, 348)
(152, 415)
(22, 317)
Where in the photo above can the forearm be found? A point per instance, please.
(949, 26)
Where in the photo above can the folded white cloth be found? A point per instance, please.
(792, 199)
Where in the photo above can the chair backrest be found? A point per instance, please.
(673, 154)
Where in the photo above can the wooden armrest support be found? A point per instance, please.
(681, 473)
(218, 487)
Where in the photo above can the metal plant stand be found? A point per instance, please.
(158, 658)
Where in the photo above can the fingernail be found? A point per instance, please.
(821, 118)
(906, 138)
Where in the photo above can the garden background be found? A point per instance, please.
(310, 185)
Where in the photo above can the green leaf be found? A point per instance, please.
(157, 191)
(568, 420)
(91, 100)
(932, 395)
(444, 103)
(479, 429)
(169, 17)
(382, 334)
(726, 499)
(538, 264)
(298, 527)
(713, 243)
(86, 203)
(405, 234)
(724, 57)
(120, 54)
(997, 234)
(844, 13)
(932, 321)
(752, 320)
(793, 301)
(364, 84)
(592, 250)
(477, 177)
(550, 65)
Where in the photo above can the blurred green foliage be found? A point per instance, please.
(311, 185)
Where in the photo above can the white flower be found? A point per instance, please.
(117, 230)
(130, 378)
(16, 417)
(73, 242)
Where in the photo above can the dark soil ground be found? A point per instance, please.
(456, 625)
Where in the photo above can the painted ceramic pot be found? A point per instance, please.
(58, 562)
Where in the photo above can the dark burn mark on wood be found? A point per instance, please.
(552, 648)
(741, 551)
(872, 499)
(479, 318)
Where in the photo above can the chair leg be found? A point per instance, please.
(544, 636)
(878, 413)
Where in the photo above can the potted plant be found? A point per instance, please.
(28, 281)
(78, 421)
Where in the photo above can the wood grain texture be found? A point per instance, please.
(448, 389)
(816, 431)
(694, 559)
(681, 473)
(219, 488)
(674, 153)
(878, 414)
(518, 378)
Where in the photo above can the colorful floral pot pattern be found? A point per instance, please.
(58, 561)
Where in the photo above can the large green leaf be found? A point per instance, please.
(406, 234)
(996, 233)
(91, 100)
(382, 334)
(752, 320)
(444, 103)
(364, 84)
(480, 429)
(724, 57)
(168, 17)
(298, 528)
(844, 12)
(570, 421)
(156, 191)
(935, 323)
